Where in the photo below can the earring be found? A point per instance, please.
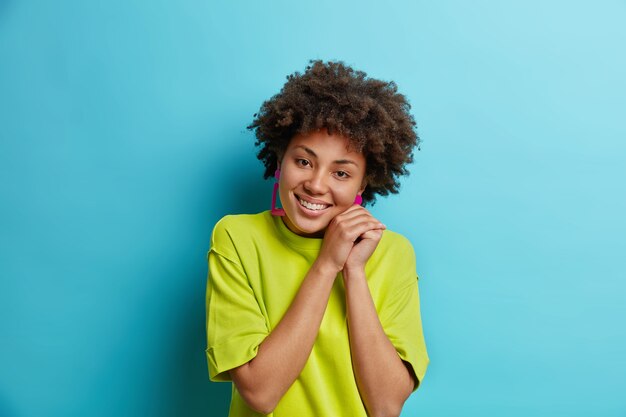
(276, 211)
(358, 200)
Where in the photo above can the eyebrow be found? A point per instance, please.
(338, 161)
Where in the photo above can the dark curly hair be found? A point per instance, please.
(333, 96)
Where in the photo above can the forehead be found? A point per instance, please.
(324, 144)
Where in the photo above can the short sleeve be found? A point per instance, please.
(235, 325)
(401, 319)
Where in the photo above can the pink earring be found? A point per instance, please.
(276, 211)
(358, 200)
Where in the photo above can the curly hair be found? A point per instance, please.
(333, 96)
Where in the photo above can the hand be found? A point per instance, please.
(342, 233)
(363, 249)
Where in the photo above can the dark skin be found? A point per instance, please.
(335, 97)
(351, 234)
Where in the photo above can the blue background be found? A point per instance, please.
(123, 140)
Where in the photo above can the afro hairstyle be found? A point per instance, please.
(333, 96)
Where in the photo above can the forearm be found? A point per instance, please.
(263, 381)
(383, 380)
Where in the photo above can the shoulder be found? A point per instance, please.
(233, 225)
(395, 256)
(237, 233)
(396, 245)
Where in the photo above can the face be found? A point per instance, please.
(319, 178)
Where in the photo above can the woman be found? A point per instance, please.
(313, 309)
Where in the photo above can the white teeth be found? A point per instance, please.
(312, 206)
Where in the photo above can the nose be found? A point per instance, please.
(316, 183)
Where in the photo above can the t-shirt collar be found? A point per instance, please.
(292, 239)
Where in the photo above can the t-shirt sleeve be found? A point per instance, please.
(401, 319)
(235, 325)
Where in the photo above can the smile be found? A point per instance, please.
(312, 206)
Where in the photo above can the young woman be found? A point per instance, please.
(313, 309)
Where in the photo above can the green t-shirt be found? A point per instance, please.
(256, 266)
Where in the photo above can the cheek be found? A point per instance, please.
(286, 184)
(346, 195)
(287, 179)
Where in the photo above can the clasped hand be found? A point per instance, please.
(351, 238)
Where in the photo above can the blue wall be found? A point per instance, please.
(123, 140)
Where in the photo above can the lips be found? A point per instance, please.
(314, 205)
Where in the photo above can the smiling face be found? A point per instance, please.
(319, 179)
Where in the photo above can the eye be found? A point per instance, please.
(342, 174)
(302, 162)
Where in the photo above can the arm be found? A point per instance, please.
(383, 379)
(264, 380)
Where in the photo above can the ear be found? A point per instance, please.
(363, 187)
(277, 172)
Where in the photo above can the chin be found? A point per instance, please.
(306, 227)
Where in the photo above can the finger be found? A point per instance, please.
(358, 218)
(350, 210)
(372, 234)
(352, 213)
(353, 231)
